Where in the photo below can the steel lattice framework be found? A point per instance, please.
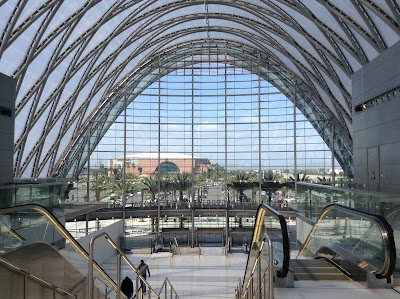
(76, 61)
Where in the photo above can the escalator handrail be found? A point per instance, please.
(385, 229)
(262, 210)
(61, 229)
(12, 231)
(285, 240)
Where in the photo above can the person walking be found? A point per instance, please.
(143, 270)
(127, 287)
(244, 244)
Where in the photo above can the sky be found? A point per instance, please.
(225, 122)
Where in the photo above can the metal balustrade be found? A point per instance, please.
(38, 229)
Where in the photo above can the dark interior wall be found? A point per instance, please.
(376, 126)
(7, 117)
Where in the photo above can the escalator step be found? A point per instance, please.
(320, 277)
(316, 270)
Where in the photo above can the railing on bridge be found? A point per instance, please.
(206, 204)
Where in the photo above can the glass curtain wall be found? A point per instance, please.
(203, 128)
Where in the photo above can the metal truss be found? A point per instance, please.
(322, 63)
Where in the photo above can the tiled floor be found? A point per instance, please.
(209, 275)
(214, 275)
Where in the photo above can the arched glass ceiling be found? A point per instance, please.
(71, 58)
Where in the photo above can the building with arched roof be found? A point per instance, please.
(73, 63)
(150, 163)
(70, 71)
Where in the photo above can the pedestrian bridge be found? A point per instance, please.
(101, 211)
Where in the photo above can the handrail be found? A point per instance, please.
(82, 284)
(266, 214)
(120, 254)
(258, 235)
(166, 281)
(61, 229)
(385, 230)
(44, 283)
(12, 232)
(107, 292)
(238, 290)
(257, 277)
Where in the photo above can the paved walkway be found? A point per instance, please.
(214, 275)
(209, 275)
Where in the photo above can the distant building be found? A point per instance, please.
(147, 163)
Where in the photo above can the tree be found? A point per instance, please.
(271, 182)
(303, 178)
(254, 178)
(166, 183)
(182, 182)
(216, 171)
(118, 189)
(239, 182)
(324, 180)
(100, 183)
(98, 187)
(284, 190)
(150, 184)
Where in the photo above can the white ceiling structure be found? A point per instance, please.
(73, 60)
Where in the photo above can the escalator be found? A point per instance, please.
(361, 245)
(344, 245)
(391, 212)
(40, 259)
(317, 270)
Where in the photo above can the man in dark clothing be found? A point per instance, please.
(127, 287)
(143, 270)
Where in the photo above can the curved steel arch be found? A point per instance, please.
(324, 60)
(79, 133)
(166, 27)
(36, 117)
(27, 97)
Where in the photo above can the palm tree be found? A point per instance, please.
(254, 178)
(182, 182)
(198, 181)
(270, 183)
(216, 171)
(118, 189)
(150, 184)
(239, 182)
(100, 183)
(166, 184)
(304, 178)
(324, 180)
(140, 186)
